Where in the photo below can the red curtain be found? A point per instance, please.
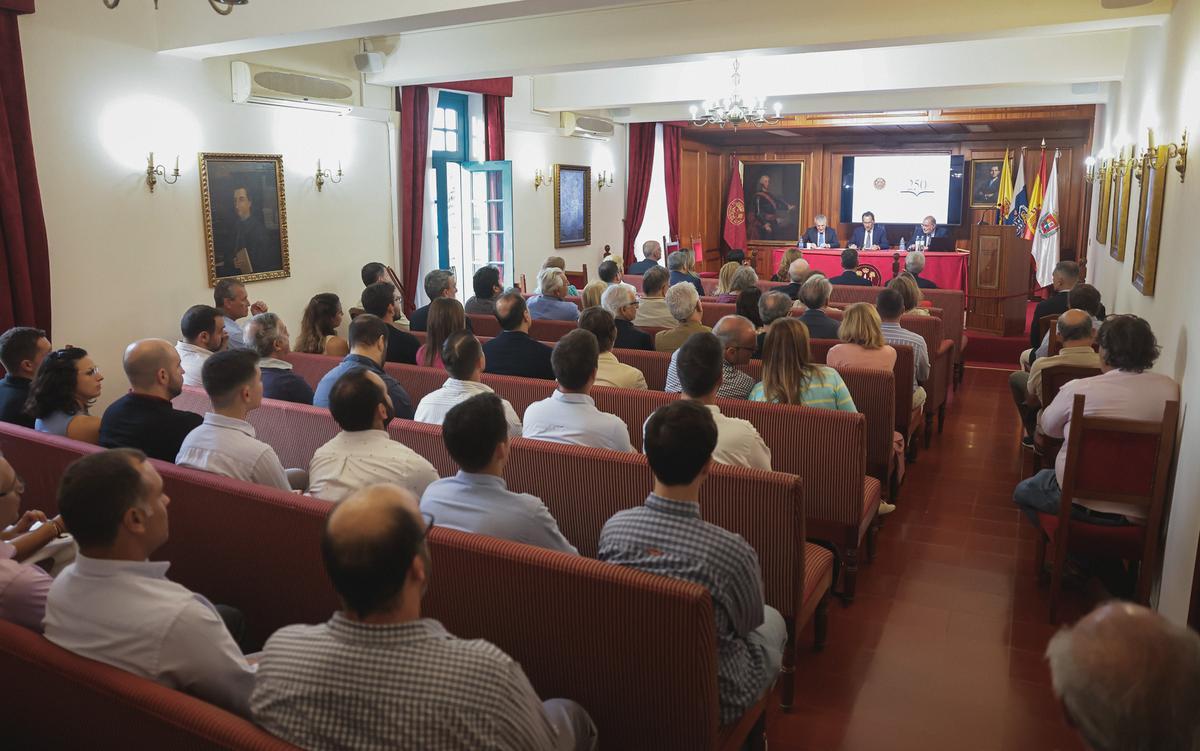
(24, 252)
(637, 192)
(493, 118)
(673, 179)
(414, 145)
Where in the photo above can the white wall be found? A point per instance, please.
(125, 264)
(1162, 90)
(531, 142)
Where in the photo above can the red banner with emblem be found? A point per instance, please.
(735, 210)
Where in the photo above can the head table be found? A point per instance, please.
(946, 270)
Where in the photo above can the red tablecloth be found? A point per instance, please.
(946, 270)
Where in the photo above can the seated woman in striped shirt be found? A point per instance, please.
(791, 377)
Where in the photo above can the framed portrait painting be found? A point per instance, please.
(985, 182)
(1149, 224)
(772, 193)
(572, 205)
(245, 217)
(1106, 183)
(1121, 194)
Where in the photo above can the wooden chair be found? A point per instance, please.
(521, 285)
(578, 278)
(1045, 448)
(1115, 461)
(870, 273)
(1046, 324)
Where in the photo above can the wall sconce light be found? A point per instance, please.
(540, 179)
(604, 180)
(324, 176)
(1179, 154)
(155, 171)
(1090, 168)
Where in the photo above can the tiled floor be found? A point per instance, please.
(942, 648)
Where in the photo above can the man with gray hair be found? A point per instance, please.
(267, 334)
(677, 264)
(738, 341)
(651, 253)
(914, 264)
(820, 235)
(814, 295)
(622, 303)
(771, 307)
(684, 304)
(797, 273)
(1128, 679)
(1076, 330)
(551, 304)
(438, 283)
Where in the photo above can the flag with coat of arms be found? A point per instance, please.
(735, 210)
(1045, 238)
(1020, 201)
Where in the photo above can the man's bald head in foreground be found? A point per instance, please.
(374, 552)
(152, 367)
(1129, 679)
(1075, 328)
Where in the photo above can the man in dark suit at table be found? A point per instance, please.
(914, 264)
(849, 264)
(927, 230)
(869, 235)
(820, 235)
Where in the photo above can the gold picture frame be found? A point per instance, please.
(1122, 193)
(245, 217)
(1149, 226)
(1107, 174)
(771, 219)
(572, 205)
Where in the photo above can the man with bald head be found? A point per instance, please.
(144, 418)
(1076, 330)
(797, 273)
(378, 675)
(738, 342)
(1128, 679)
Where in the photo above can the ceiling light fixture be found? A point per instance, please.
(734, 110)
(224, 7)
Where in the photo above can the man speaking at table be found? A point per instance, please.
(820, 235)
(869, 236)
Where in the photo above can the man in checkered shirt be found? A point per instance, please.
(666, 536)
(378, 676)
(740, 340)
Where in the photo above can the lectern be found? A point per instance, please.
(998, 280)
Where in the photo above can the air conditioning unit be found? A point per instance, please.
(585, 126)
(276, 87)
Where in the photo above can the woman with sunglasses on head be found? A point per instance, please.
(64, 389)
(23, 588)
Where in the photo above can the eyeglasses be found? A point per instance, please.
(18, 487)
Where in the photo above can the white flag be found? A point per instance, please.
(1045, 240)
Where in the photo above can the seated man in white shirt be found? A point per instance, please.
(464, 360)
(477, 498)
(203, 331)
(116, 606)
(225, 444)
(699, 366)
(609, 370)
(569, 415)
(363, 453)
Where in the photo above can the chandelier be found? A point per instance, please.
(734, 110)
(224, 7)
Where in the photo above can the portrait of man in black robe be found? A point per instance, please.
(245, 217)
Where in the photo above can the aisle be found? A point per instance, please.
(942, 648)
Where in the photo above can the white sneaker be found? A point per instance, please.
(886, 508)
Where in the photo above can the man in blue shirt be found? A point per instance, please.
(368, 344)
(22, 350)
(550, 304)
(233, 302)
(477, 499)
(677, 265)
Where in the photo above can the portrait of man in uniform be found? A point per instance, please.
(772, 198)
(245, 220)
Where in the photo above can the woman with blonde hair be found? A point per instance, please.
(862, 341)
(791, 377)
(725, 277)
(908, 289)
(446, 315)
(789, 255)
(592, 293)
(743, 278)
(318, 327)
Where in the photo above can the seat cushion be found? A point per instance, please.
(1126, 541)
(870, 503)
(818, 573)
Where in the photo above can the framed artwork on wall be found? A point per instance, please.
(1106, 183)
(772, 193)
(245, 217)
(1121, 194)
(1149, 226)
(572, 205)
(985, 182)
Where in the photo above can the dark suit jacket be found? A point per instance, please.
(820, 326)
(849, 277)
(517, 353)
(919, 231)
(13, 393)
(810, 236)
(147, 423)
(641, 267)
(285, 385)
(677, 277)
(791, 290)
(858, 237)
(1055, 304)
(924, 283)
(758, 352)
(631, 337)
(402, 346)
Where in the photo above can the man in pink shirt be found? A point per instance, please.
(1124, 390)
(22, 588)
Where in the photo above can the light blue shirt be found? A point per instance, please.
(483, 504)
(55, 423)
(553, 309)
(574, 419)
(236, 341)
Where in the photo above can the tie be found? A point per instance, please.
(820, 238)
